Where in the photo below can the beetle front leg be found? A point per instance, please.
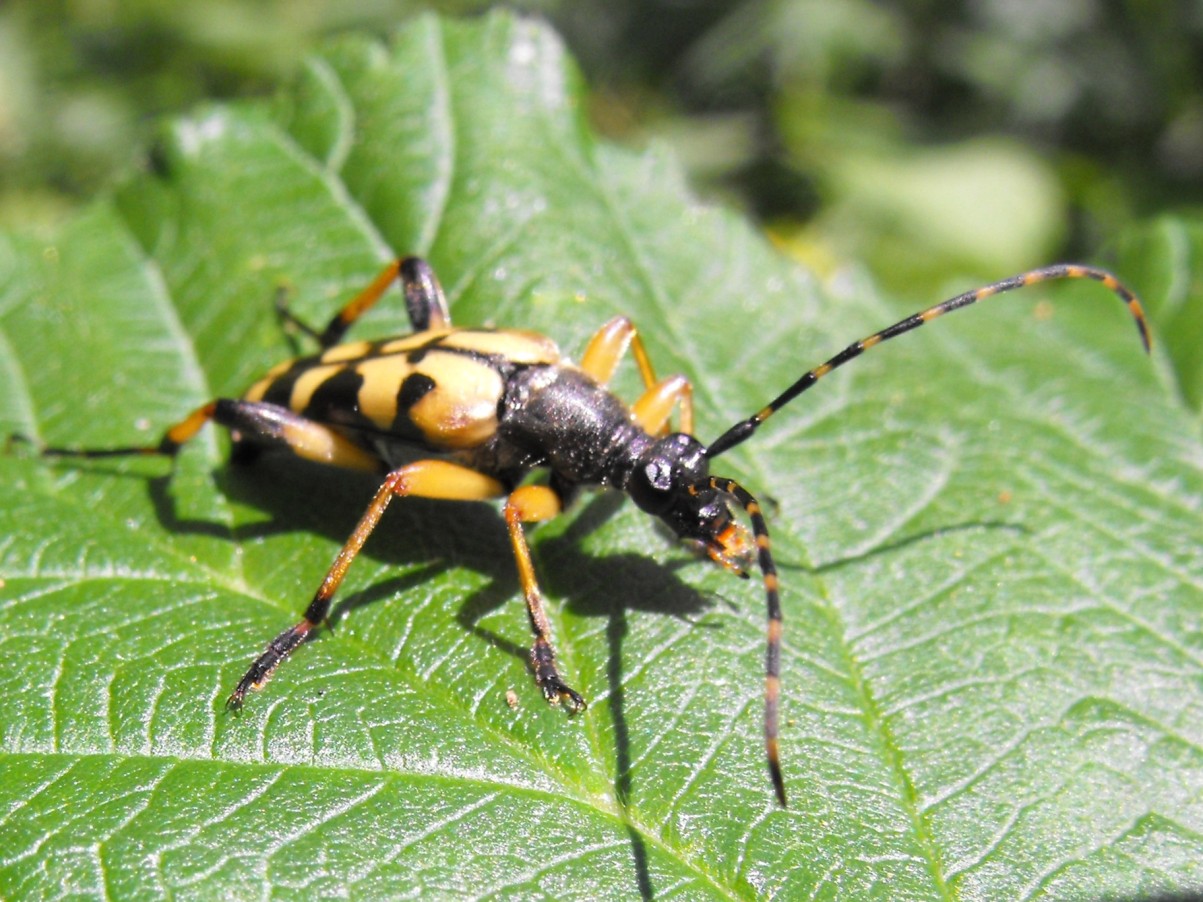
(426, 479)
(534, 504)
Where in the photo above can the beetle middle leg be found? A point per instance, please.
(534, 504)
(426, 479)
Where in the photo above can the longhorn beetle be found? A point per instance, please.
(482, 408)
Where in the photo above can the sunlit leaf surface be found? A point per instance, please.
(988, 535)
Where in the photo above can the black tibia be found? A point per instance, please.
(543, 660)
(256, 421)
(424, 299)
(319, 608)
(425, 302)
(263, 667)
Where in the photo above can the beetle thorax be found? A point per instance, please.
(558, 417)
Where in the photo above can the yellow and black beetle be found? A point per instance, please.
(466, 414)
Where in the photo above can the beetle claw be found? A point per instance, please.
(556, 690)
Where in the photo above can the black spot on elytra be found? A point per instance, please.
(415, 387)
(336, 400)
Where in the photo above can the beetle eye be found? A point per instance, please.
(651, 485)
(659, 475)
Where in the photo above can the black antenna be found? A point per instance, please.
(772, 655)
(744, 429)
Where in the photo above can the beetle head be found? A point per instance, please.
(672, 481)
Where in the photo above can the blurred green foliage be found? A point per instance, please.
(926, 139)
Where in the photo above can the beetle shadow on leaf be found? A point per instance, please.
(300, 497)
(582, 582)
(592, 591)
(607, 586)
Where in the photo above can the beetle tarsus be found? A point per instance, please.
(554, 688)
(265, 665)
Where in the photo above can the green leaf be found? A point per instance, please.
(988, 536)
(1167, 256)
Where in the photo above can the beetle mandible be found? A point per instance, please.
(484, 407)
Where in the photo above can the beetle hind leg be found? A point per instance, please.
(265, 665)
(169, 445)
(548, 679)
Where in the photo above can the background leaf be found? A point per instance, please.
(989, 535)
(1167, 256)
